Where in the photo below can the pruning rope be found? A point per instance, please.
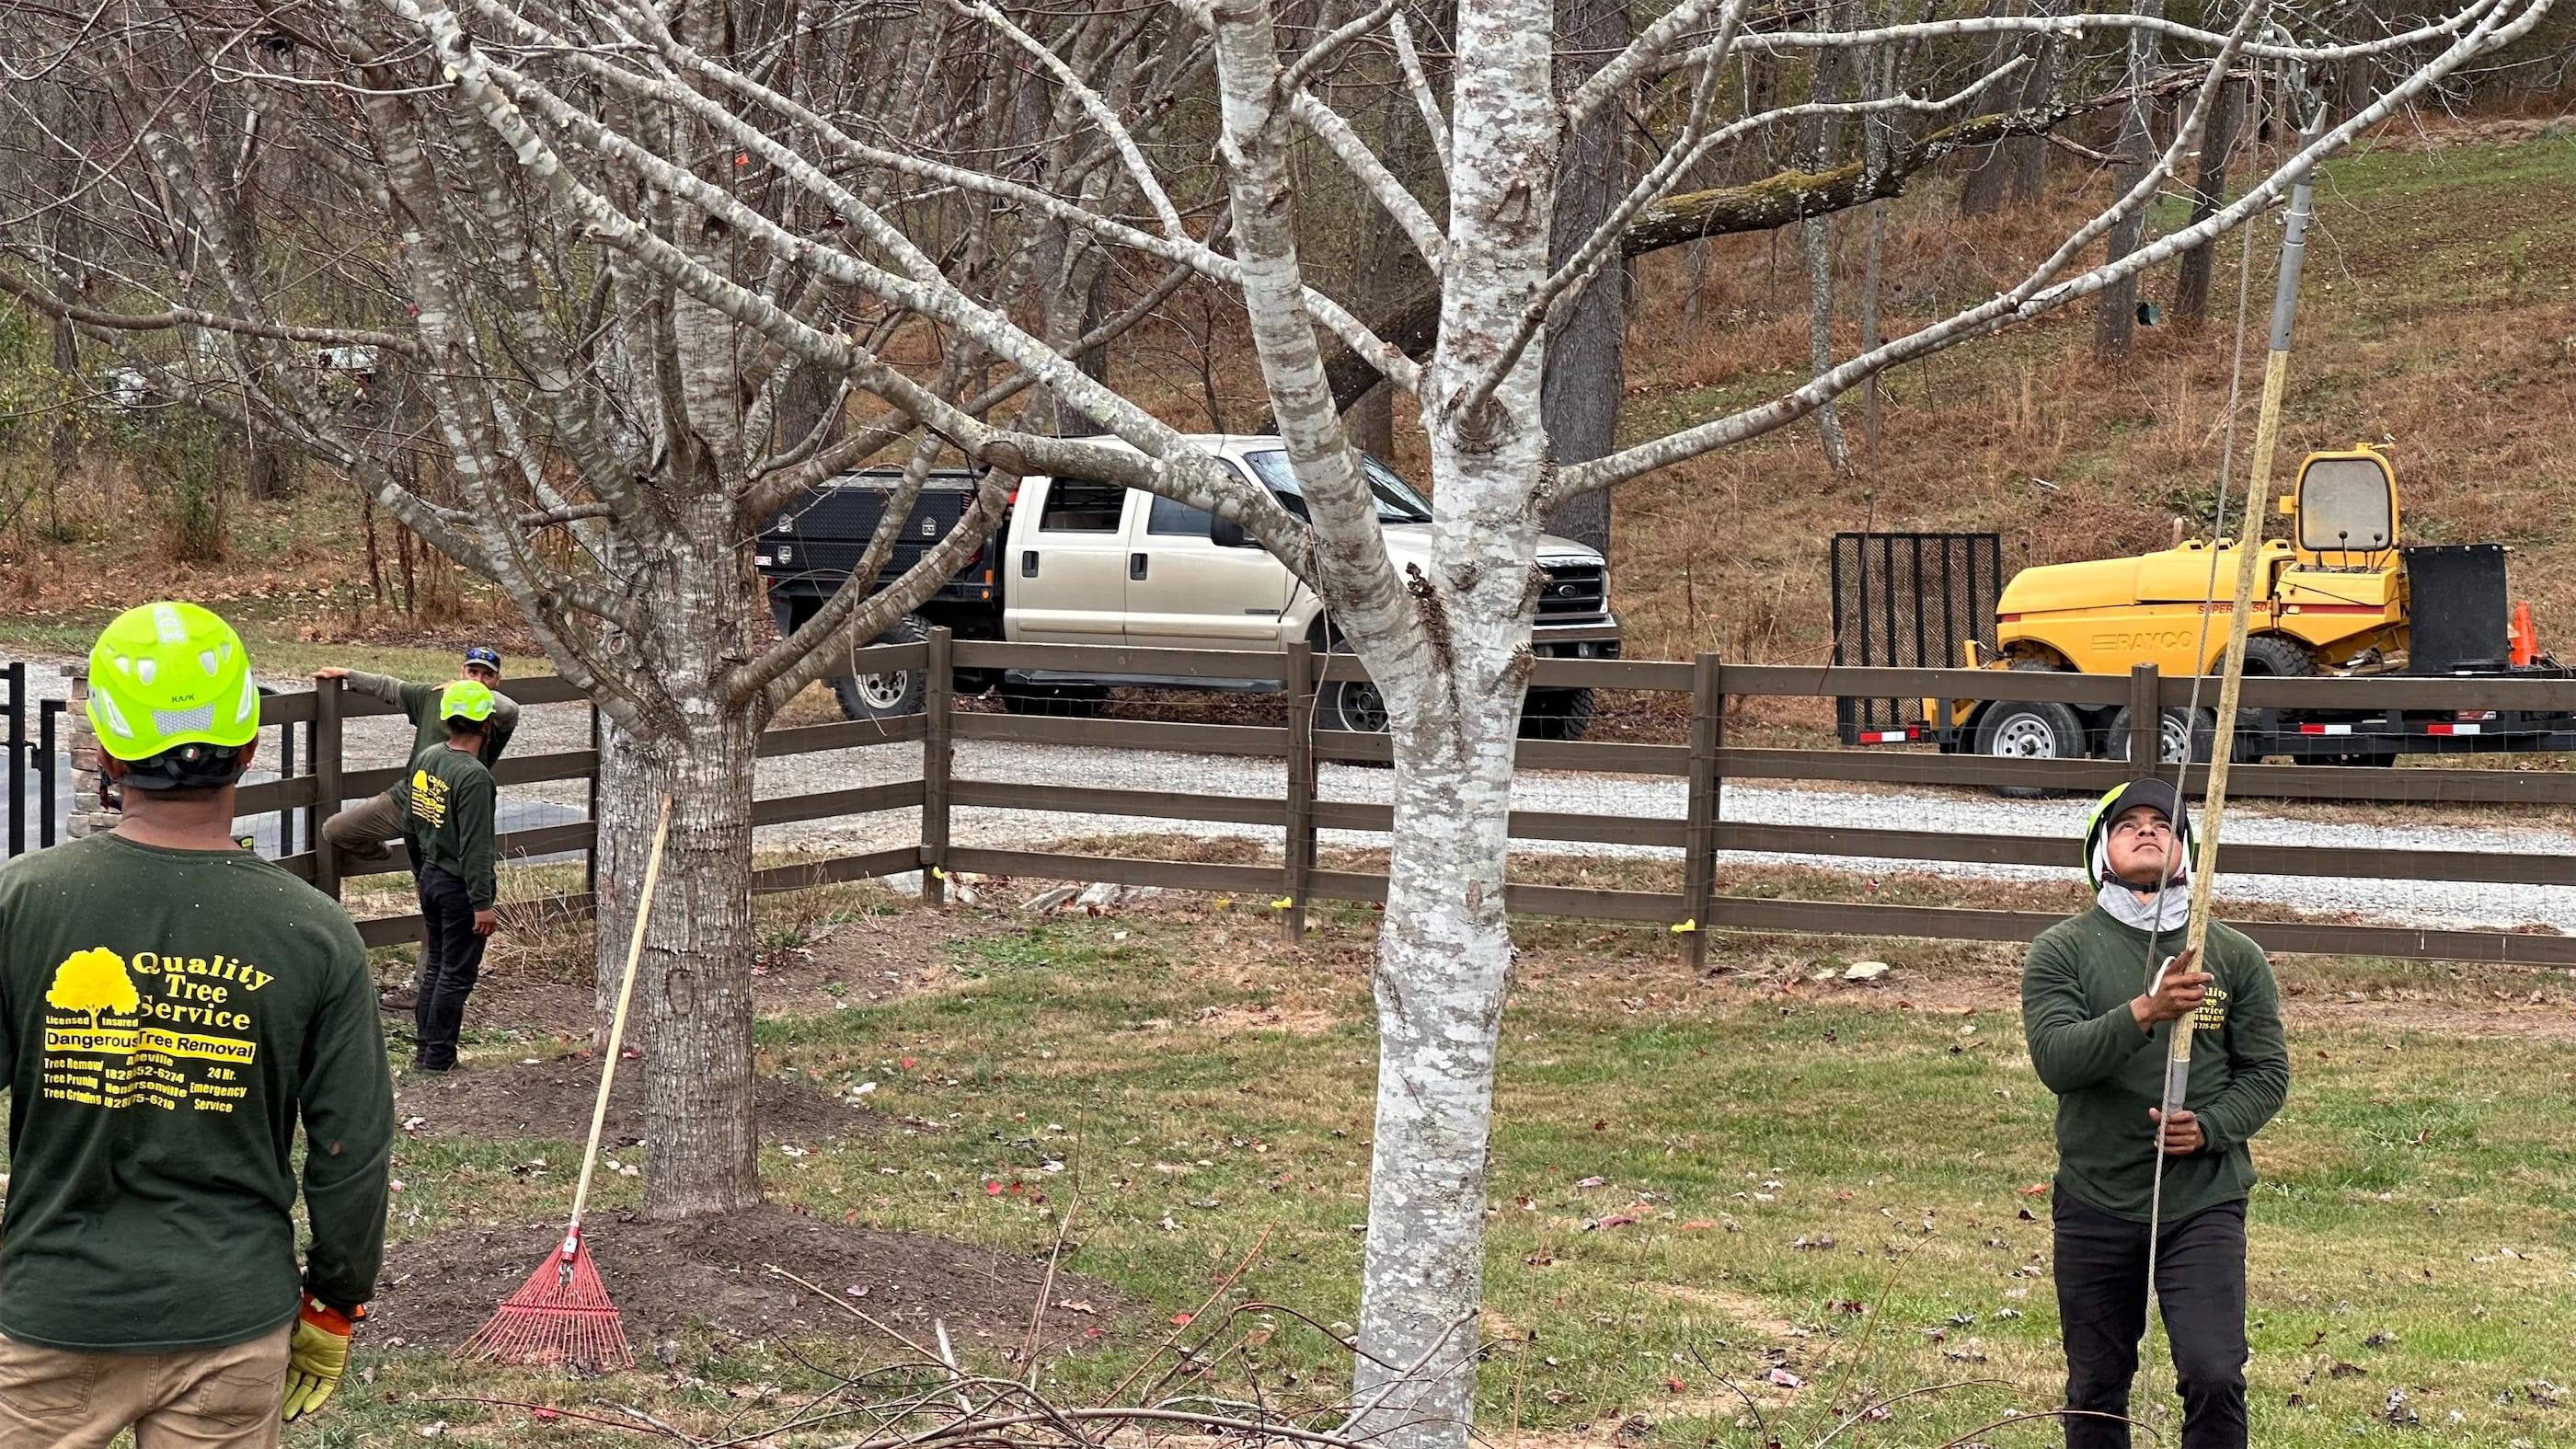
(2232, 673)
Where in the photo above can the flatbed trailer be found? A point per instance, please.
(1926, 601)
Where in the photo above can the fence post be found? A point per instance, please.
(1300, 857)
(590, 856)
(2146, 719)
(938, 687)
(89, 815)
(1699, 832)
(312, 812)
(326, 783)
(286, 771)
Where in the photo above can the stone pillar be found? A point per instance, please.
(80, 746)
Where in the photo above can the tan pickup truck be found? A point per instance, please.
(1081, 562)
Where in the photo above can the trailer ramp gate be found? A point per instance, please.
(1909, 601)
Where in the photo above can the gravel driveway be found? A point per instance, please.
(547, 728)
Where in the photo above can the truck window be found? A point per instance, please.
(1396, 500)
(1075, 505)
(1177, 520)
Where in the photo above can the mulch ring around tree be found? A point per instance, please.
(714, 1271)
(552, 1098)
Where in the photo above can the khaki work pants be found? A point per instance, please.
(364, 830)
(199, 1398)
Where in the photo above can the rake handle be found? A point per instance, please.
(617, 1025)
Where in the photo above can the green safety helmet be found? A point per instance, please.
(170, 693)
(466, 699)
(2155, 794)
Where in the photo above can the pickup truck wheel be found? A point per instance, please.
(891, 694)
(1353, 705)
(1556, 714)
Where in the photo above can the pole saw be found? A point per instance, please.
(2258, 501)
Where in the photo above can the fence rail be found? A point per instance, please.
(1700, 834)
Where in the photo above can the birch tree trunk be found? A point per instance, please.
(693, 985)
(1444, 955)
(692, 1010)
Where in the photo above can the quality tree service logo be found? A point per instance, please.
(158, 1029)
(429, 798)
(94, 981)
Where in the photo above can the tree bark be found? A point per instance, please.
(694, 982)
(1988, 184)
(1820, 141)
(692, 1009)
(1444, 955)
(1586, 369)
(2030, 153)
(2209, 188)
(2116, 318)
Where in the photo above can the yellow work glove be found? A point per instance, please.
(317, 1356)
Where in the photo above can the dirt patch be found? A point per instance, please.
(1744, 1308)
(844, 963)
(552, 1098)
(1288, 1020)
(665, 1277)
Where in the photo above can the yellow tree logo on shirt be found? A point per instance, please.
(428, 799)
(93, 981)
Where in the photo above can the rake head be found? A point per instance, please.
(559, 1318)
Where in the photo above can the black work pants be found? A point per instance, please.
(2102, 1308)
(450, 960)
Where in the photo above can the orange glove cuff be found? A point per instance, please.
(329, 1319)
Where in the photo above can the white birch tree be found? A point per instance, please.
(632, 129)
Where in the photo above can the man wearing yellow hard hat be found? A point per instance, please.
(171, 1007)
(447, 807)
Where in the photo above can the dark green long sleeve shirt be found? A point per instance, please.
(447, 819)
(166, 1018)
(419, 704)
(2076, 986)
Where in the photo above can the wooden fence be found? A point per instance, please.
(1702, 835)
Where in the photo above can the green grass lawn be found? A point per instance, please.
(1837, 1186)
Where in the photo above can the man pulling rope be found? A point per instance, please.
(2100, 1044)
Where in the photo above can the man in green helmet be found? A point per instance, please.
(2099, 995)
(362, 831)
(171, 1006)
(447, 822)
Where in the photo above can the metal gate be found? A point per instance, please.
(35, 765)
(1909, 601)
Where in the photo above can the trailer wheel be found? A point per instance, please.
(890, 694)
(2176, 731)
(2029, 730)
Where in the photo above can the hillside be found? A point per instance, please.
(2439, 321)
